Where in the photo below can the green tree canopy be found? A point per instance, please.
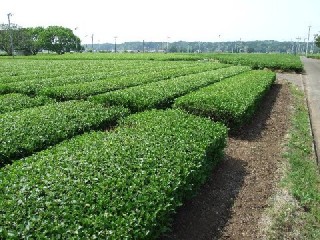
(59, 39)
(5, 40)
(31, 40)
(317, 41)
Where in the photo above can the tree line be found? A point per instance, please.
(29, 41)
(264, 46)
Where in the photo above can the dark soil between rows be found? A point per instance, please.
(231, 203)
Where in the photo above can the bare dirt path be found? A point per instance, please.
(232, 201)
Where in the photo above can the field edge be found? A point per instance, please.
(294, 207)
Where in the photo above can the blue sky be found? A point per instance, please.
(173, 20)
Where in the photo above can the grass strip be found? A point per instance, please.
(303, 177)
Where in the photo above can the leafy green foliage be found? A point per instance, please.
(59, 39)
(162, 93)
(18, 35)
(315, 56)
(317, 40)
(285, 62)
(33, 43)
(232, 101)
(31, 40)
(43, 70)
(26, 131)
(77, 72)
(124, 56)
(83, 90)
(16, 101)
(123, 184)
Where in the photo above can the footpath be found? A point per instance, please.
(309, 82)
(312, 88)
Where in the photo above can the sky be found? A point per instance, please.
(170, 20)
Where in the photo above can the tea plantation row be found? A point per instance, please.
(283, 62)
(162, 93)
(118, 73)
(123, 184)
(29, 130)
(232, 101)
(127, 182)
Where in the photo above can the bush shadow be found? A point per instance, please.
(205, 215)
(252, 130)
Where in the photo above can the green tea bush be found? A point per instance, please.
(232, 101)
(283, 62)
(162, 93)
(123, 184)
(91, 72)
(16, 101)
(29, 130)
(84, 90)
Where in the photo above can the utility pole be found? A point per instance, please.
(308, 40)
(10, 30)
(168, 44)
(92, 42)
(115, 44)
(143, 46)
(298, 45)
(75, 29)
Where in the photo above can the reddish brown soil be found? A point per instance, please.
(230, 204)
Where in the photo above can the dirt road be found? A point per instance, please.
(230, 204)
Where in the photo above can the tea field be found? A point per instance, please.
(107, 146)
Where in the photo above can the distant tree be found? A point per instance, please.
(317, 41)
(33, 43)
(59, 39)
(25, 40)
(250, 50)
(5, 40)
(173, 48)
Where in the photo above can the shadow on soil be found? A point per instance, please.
(204, 216)
(252, 130)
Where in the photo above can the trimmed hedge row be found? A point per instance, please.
(84, 90)
(116, 70)
(284, 62)
(123, 184)
(29, 130)
(16, 101)
(232, 101)
(43, 69)
(315, 56)
(162, 93)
